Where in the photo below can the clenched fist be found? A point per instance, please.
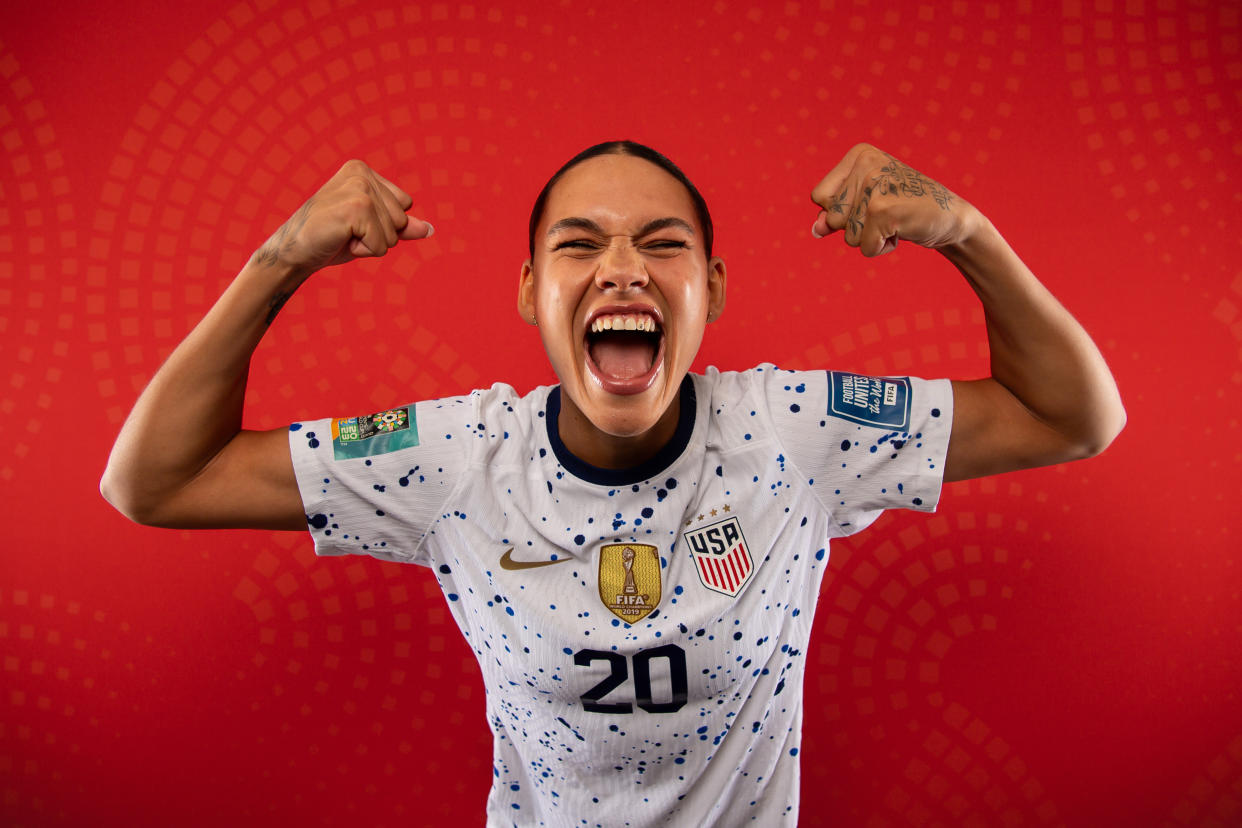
(357, 213)
(878, 201)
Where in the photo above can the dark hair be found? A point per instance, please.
(638, 151)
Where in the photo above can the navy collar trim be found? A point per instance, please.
(662, 459)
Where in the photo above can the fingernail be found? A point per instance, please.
(430, 229)
(815, 232)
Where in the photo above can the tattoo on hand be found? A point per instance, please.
(839, 201)
(858, 216)
(897, 178)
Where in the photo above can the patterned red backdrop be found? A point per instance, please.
(1056, 647)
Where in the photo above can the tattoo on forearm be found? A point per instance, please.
(282, 239)
(274, 306)
(266, 254)
(269, 253)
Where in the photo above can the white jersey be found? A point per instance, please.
(641, 633)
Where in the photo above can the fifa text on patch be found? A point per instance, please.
(882, 402)
(629, 580)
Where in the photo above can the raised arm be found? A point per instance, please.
(182, 458)
(1051, 397)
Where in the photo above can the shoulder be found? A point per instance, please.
(501, 422)
(739, 405)
(498, 402)
(714, 384)
(764, 385)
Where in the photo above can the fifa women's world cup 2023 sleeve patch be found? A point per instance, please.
(374, 484)
(372, 434)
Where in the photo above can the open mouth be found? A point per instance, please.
(624, 351)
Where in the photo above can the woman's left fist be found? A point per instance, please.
(878, 201)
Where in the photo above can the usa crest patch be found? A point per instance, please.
(721, 556)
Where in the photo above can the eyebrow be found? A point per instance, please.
(578, 223)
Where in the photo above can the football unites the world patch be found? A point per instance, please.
(721, 556)
(882, 402)
(373, 434)
(629, 580)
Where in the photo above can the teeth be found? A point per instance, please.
(624, 322)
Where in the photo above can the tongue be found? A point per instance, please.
(623, 355)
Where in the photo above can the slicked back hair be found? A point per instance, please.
(638, 151)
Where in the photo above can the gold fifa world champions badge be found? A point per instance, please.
(629, 580)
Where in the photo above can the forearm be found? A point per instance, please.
(192, 408)
(1039, 352)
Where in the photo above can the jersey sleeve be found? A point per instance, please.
(864, 444)
(376, 484)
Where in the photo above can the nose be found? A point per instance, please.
(621, 267)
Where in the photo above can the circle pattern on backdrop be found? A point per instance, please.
(249, 122)
(39, 277)
(267, 101)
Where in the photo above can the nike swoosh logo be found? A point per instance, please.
(507, 562)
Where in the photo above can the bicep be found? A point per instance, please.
(249, 484)
(994, 433)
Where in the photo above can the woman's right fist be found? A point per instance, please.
(357, 213)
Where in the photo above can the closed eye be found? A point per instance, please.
(654, 246)
(664, 247)
(575, 244)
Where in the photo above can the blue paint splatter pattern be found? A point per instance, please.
(689, 715)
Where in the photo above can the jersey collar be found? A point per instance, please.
(662, 459)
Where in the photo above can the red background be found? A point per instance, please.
(1055, 647)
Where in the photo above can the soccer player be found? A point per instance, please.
(634, 554)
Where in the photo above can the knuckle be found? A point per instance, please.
(359, 185)
(356, 202)
(864, 149)
(873, 156)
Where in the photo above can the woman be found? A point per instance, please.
(634, 554)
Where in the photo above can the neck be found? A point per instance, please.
(609, 451)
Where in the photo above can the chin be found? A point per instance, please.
(627, 416)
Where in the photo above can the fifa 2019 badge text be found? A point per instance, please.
(629, 580)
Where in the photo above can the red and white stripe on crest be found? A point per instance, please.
(725, 573)
(720, 555)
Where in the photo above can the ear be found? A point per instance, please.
(526, 293)
(715, 288)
